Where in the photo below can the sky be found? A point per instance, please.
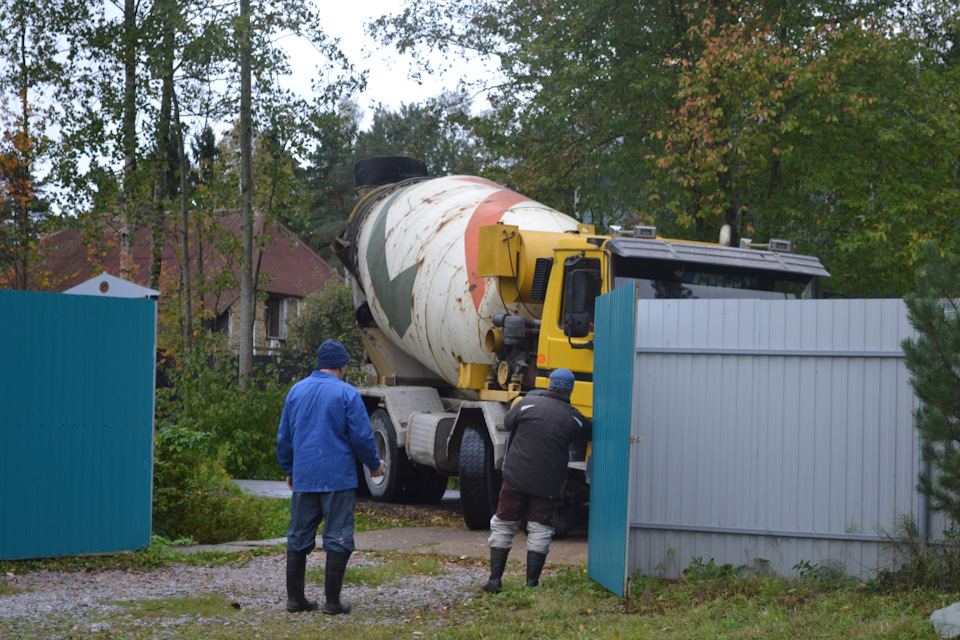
(389, 81)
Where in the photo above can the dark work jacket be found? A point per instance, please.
(543, 426)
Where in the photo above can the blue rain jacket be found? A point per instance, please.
(323, 430)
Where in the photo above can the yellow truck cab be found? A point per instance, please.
(584, 266)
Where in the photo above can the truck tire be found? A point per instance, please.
(390, 487)
(382, 170)
(479, 481)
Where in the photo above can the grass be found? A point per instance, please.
(203, 606)
(709, 602)
(395, 568)
(566, 605)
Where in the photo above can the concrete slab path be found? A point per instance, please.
(449, 541)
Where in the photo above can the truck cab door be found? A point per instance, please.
(566, 332)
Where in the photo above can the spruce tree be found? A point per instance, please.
(933, 359)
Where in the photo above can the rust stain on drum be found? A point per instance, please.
(444, 223)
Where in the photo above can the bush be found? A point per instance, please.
(194, 496)
(919, 563)
(209, 431)
(205, 397)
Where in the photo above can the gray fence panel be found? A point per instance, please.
(772, 431)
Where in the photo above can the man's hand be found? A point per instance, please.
(382, 469)
(290, 483)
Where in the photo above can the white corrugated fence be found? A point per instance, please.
(770, 434)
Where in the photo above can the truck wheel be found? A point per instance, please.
(390, 486)
(479, 481)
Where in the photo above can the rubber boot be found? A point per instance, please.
(498, 562)
(333, 582)
(534, 567)
(296, 571)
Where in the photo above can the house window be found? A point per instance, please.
(221, 324)
(277, 318)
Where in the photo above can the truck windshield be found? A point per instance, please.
(668, 279)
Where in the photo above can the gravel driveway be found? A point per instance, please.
(78, 600)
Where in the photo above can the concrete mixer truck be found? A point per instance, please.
(468, 295)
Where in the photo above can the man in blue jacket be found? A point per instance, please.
(323, 430)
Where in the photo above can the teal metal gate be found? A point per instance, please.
(76, 423)
(616, 314)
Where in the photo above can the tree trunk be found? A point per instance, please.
(247, 293)
(163, 168)
(127, 208)
(185, 233)
(21, 176)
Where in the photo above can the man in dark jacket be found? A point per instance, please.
(543, 425)
(324, 430)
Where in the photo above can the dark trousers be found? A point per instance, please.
(334, 509)
(515, 505)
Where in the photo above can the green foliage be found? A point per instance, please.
(817, 135)
(209, 430)
(194, 497)
(700, 570)
(933, 360)
(322, 315)
(204, 410)
(437, 131)
(824, 572)
(919, 563)
(24, 216)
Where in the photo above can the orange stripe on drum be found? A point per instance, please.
(488, 212)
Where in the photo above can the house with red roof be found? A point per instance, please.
(286, 270)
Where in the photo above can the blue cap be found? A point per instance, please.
(332, 355)
(561, 379)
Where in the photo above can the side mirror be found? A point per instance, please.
(578, 307)
(577, 325)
